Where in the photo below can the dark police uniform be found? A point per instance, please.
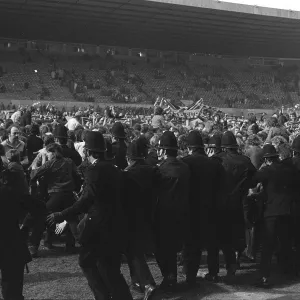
(61, 132)
(139, 200)
(140, 180)
(205, 189)
(279, 181)
(14, 253)
(238, 174)
(295, 161)
(103, 231)
(172, 215)
(172, 210)
(72, 154)
(119, 147)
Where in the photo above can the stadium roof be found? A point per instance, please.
(202, 26)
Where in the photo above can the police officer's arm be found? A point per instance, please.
(77, 158)
(91, 187)
(80, 206)
(76, 177)
(250, 173)
(261, 176)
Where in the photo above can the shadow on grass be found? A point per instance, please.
(55, 252)
(183, 291)
(49, 276)
(277, 280)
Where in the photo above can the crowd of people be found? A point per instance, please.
(161, 184)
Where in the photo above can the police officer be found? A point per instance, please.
(140, 182)
(214, 145)
(279, 180)
(119, 146)
(172, 210)
(14, 253)
(102, 233)
(205, 186)
(61, 137)
(239, 172)
(296, 203)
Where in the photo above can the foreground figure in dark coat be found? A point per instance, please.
(140, 182)
(172, 210)
(34, 143)
(280, 182)
(205, 190)
(295, 161)
(14, 253)
(119, 146)
(103, 231)
(61, 138)
(230, 235)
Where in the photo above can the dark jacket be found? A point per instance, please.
(59, 174)
(295, 162)
(101, 201)
(13, 248)
(152, 159)
(20, 182)
(172, 210)
(25, 119)
(119, 150)
(140, 182)
(255, 154)
(34, 144)
(239, 172)
(207, 178)
(280, 182)
(72, 154)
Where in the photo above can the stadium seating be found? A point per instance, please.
(103, 80)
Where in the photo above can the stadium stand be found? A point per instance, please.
(222, 82)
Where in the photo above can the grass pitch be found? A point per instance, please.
(56, 276)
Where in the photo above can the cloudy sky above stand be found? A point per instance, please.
(286, 4)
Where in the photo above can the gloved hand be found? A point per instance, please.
(60, 227)
(55, 218)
